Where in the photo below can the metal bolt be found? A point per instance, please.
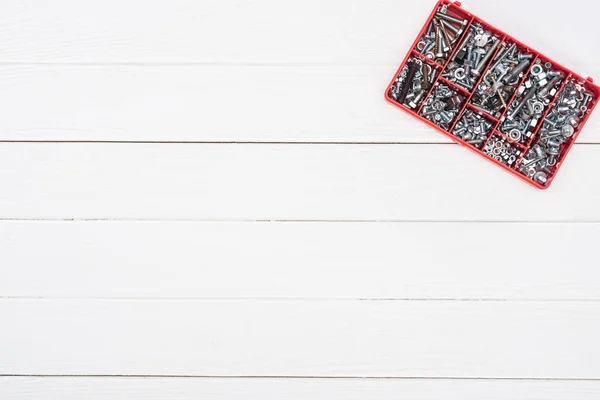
(525, 99)
(451, 19)
(477, 71)
(440, 43)
(457, 31)
(516, 71)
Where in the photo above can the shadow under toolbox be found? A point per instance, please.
(492, 94)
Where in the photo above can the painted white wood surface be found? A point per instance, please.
(188, 278)
(284, 182)
(205, 103)
(298, 260)
(28, 388)
(333, 338)
(271, 32)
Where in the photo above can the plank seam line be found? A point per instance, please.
(306, 221)
(299, 377)
(291, 143)
(279, 143)
(207, 64)
(299, 299)
(187, 64)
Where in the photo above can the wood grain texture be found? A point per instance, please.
(216, 104)
(289, 233)
(209, 104)
(283, 182)
(301, 338)
(28, 388)
(315, 32)
(298, 260)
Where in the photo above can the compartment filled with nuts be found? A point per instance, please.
(473, 128)
(533, 96)
(474, 55)
(443, 32)
(502, 150)
(558, 128)
(536, 163)
(413, 83)
(501, 79)
(442, 106)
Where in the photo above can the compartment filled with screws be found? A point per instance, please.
(557, 131)
(413, 83)
(533, 96)
(502, 78)
(573, 104)
(443, 33)
(473, 128)
(473, 56)
(502, 150)
(442, 105)
(492, 94)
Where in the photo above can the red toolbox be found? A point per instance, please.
(492, 94)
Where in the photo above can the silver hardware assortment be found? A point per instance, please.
(421, 76)
(509, 89)
(470, 61)
(501, 150)
(558, 128)
(442, 106)
(533, 96)
(441, 36)
(501, 79)
(473, 128)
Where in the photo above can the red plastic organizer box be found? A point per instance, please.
(492, 94)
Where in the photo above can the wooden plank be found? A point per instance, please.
(209, 104)
(67, 388)
(217, 104)
(284, 182)
(298, 260)
(337, 338)
(332, 32)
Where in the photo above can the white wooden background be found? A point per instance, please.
(210, 199)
